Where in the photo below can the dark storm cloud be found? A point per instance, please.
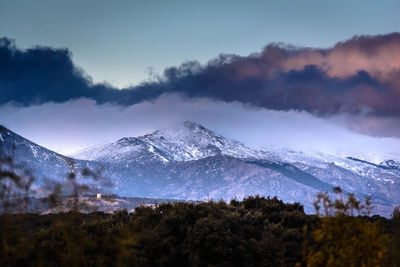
(39, 75)
(308, 89)
(358, 75)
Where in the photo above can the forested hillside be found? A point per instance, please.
(257, 231)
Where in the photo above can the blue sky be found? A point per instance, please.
(120, 41)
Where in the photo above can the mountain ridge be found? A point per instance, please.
(191, 162)
(183, 142)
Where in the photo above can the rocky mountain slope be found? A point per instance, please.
(40, 161)
(191, 162)
(185, 142)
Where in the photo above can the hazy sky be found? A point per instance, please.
(333, 86)
(119, 41)
(82, 123)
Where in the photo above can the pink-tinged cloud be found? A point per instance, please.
(357, 77)
(377, 55)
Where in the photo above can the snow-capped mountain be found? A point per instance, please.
(184, 150)
(44, 165)
(41, 161)
(191, 162)
(184, 142)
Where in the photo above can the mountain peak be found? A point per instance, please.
(186, 132)
(183, 142)
(191, 141)
(193, 125)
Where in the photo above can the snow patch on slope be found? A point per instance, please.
(184, 142)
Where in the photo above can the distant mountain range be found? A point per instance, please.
(191, 162)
